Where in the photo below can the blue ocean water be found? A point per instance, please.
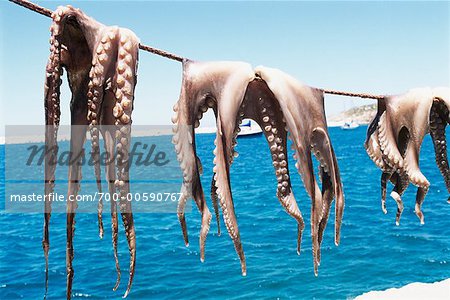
(374, 253)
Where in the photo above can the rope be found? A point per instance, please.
(350, 94)
(48, 13)
(34, 7)
(161, 53)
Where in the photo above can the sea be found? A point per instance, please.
(374, 253)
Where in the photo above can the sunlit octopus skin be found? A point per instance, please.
(395, 136)
(279, 104)
(101, 65)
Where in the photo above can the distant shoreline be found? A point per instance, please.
(359, 114)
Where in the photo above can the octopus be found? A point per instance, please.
(395, 136)
(101, 64)
(284, 108)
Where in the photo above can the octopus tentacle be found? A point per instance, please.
(438, 121)
(125, 82)
(284, 188)
(215, 202)
(327, 197)
(396, 196)
(373, 149)
(190, 166)
(234, 154)
(385, 177)
(305, 169)
(214, 196)
(264, 109)
(182, 140)
(324, 153)
(221, 177)
(182, 132)
(93, 103)
(321, 147)
(372, 144)
(389, 150)
(411, 167)
(199, 199)
(229, 112)
(401, 181)
(331, 183)
(52, 117)
(303, 111)
(180, 211)
(400, 177)
(100, 66)
(108, 132)
(78, 135)
(100, 109)
(420, 196)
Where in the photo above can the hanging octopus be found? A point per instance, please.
(282, 107)
(101, 64)
(395, 136)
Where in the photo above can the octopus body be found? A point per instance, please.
(282, 107)
(101, 65)
(395, 136)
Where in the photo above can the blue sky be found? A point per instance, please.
(375, 47)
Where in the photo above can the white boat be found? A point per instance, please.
(350, 125)
(249, 128)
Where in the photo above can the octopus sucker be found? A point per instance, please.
(88, 51)
(395, 136)
(278, 103)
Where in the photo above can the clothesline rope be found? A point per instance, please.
(48, 13)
